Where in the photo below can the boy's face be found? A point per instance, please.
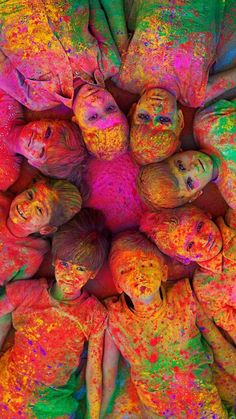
(31, 210)
(192, 236)
(139, 275)
(157, 108)
(36, 137)
(96, 109)
(193, 170)
(71, 277)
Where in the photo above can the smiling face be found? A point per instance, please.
(139, 274)
(31, 210)
(71, 277)
(186, 233)
(103, 125)
(193, 170)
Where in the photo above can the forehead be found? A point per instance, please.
(43, 191)
(134, 258)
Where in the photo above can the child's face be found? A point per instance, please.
(31, 210)
(193, 237)
(193, 170)
(36, 137)
(139, 275)
(71, 277)
(157, 108)
(96, 109)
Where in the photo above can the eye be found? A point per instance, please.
(42, 153)
(80, 269)
(190, 183)
(189, 246)
(199, 225)
(64, 264)
(93, 117)
(39, 210)
(144, 117)
(111, 108)
(48, 132)
(180, 165)
(30, 195)
(164, 119)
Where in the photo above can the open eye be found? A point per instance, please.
(164, 119)
(64, 264)
(180, 165)
(39, 210)
(93, 117)
(190, 183)
(189, 246)
(47, 132)
(111, 108)
(144, 117)
(199, 225)
(80, 269)
(30, 195)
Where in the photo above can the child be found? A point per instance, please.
(42, 142)
(188, 234)
(155, 330)
(43, 207)
(52, 325)
(168, 59)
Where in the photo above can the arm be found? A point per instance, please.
(5, 317)
(221, 84)
(94, 375)
(110, 368)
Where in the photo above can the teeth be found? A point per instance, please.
(21, 212)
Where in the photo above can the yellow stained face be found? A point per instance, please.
(157, 108)
(96, 109)
(140, 275)
(192, 169)
(71, 277)
(32, 209)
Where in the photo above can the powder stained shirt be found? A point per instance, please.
(48, 48)
(170, 364)
(215, 133)
(49, 341)
(20, 257)
(173, 46)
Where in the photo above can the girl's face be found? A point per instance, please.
(71, 277)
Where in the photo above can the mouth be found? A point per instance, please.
(202, 165)
(21, 213)
(212, 242)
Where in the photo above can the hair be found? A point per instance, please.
(158, 187)
(64, 159)
(149, 145)
(108, 143)
(84, 240)
(68, 200)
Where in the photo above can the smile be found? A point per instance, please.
(21, 213)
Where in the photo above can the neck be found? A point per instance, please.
(149, 306)
(58, 294)
(14, 139)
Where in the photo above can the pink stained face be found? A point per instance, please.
(192, 169)
(96, 109)
(32, 209)
(71, 277)
(36, 137)
(139, 274)
(157, 108)
(189, 234)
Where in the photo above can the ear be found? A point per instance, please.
(47, 230)
(94, 274)
(183, 260)
(180, 120)
(195, 196)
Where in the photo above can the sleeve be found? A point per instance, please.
(27, 292)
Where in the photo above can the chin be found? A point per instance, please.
(16, 229)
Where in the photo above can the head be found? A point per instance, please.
(186, 233)
(43, 207)
(175, 181)
(104, 127)
(137, 266)
(55, 147)
(79, 249)
(156, 125)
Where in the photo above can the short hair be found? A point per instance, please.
(149, 145)
(68, 201)
(83, 240)
(108, 143)
(158, 187)
(64, 159)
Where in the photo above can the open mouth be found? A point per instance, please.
(203, 168)
(21, 213)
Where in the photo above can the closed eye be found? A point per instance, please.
(48, 132)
